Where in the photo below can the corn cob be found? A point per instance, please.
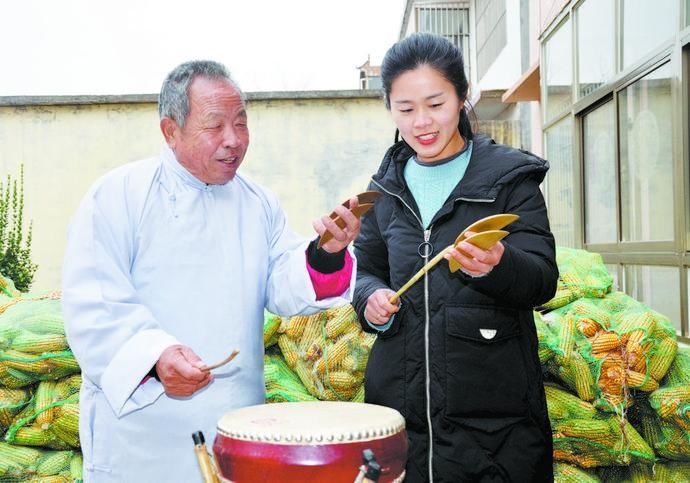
(31, 436)
(635, 338)
(43, 399)
(289, 350)
(12, 378)
(563, 405)
(19, 455)
(11, 403)
(31, 343)
(545, 354)
(341, 380)
(50, 479)
(662, 358)
(565, 473)
(66, 424)
(340, 350)
(340, 321)
(641, 381)
(590, 429)
(28, 363)
(605, 342)
(312, 332)
(296, 326)
(355, 362)
(636, 444)
(582, 377)
(76, 467)
(48, 323)
(53, 463)
(666, 401)
(588, 327)
(567, 336)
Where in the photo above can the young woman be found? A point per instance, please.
(458, 356)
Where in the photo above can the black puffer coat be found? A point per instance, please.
(474, 406)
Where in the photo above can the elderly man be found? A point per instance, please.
(169, 265)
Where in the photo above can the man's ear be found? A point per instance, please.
(169, 129)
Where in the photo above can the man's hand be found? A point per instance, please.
(179, 371)
(342, 237)
(480, 262)
(379, 310)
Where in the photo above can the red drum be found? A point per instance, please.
(310, 441)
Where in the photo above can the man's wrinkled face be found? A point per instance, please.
(215, 137)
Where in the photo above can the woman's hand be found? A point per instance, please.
(479, 262)
(342, 237)
(379, 310)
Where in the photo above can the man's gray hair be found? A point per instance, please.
(173, 101)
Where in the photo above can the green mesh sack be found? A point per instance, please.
(329, 352)
(669, 440)
(51, 419)
(589, 438)
(271, 325)
(606, 349)
(672, 401)
(566, 473)
(283, 385)
(22, 464)
(33, 346)
(581, 274)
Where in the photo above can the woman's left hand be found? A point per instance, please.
(479, 262)
(342, 237)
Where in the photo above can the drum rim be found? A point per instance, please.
(392, 423)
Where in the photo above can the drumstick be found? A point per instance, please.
(221, 363)
(419, 274)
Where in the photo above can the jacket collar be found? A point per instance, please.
(491, 166)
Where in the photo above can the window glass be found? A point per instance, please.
(595, 44)
(559, 181)
(645, 120)
(646, 25)
(600, 175)
(613, 270)
(656, 287)
(559, 71)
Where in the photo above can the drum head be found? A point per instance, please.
(311, 422)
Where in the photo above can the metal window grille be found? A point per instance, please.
(450, 21)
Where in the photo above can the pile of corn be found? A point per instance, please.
(326, 352)
(39, 391)
(619, 387)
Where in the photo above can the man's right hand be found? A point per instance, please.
(179, 371)
(379, 310)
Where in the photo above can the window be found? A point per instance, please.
(559, 181)
(451, 22)
(646, 25)
(599, 145)
(658, 288)
(595, 45)
(646, 151)
(559, 72)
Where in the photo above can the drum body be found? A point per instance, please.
(309, 441)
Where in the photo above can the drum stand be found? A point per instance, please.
(370, 471)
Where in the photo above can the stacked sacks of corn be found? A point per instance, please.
(581, 274)
(607, 347)
(591, 438)
(663, 417)
(328, 351)
(51, 419)
(39, 391)
(23, 464)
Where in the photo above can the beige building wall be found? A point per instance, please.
(313, 150)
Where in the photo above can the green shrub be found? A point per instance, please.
(15, 251)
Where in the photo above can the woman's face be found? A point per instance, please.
(426, 110)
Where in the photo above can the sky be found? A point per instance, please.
(92, 47)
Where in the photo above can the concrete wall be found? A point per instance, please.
(313, 149)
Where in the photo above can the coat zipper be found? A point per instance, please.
(427, 382)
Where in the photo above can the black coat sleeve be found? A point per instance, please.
(527, 274)
(372, 264)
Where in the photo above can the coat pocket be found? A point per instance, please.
(485, 365)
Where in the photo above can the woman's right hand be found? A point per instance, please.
(379, 310)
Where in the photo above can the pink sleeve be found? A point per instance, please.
(331, 284)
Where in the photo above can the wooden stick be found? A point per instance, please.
(419, 274)
(221, 363)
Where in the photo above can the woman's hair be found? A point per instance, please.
(438, 53)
